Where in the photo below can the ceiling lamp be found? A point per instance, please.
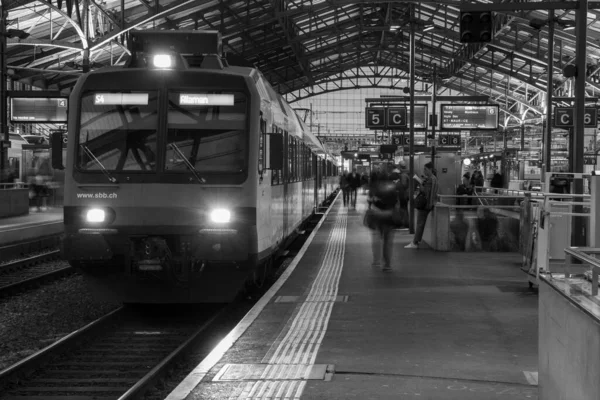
(428, 28)
(394, 27)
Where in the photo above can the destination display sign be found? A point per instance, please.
(469, 116)
(205, 99)
(38, 109)
(120, 99)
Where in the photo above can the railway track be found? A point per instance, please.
(18, 250)
(119, 356)
(32, 271)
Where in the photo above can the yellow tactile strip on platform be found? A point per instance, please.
(290, 361)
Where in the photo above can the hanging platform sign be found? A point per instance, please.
(564, 117)
(375, 118)
(396, 118)
(590, 159)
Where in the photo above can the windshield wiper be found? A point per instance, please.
(188, 163)
(93, 157)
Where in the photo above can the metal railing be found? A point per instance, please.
(17, 185)
(587, 256)
(486, 201)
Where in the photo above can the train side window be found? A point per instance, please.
(274, 173)
(261, 144)
(290, 177)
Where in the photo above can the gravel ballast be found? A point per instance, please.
(35, 319)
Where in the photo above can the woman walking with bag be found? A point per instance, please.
(379, 218)
(424, 203)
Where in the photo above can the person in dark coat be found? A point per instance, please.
(477, 181)
(382, 200)
(354, 182)
(345, 187)
(466, 190)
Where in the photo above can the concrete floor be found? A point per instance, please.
(439, 326)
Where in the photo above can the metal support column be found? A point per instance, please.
(578, 237)
(4, 135)
(411, 122)
(433, 116)
(547, 135)
(86, 52)
(522, 137)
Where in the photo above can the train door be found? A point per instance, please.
(286, 180)
(315, 168)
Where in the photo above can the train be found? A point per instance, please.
(185, 175)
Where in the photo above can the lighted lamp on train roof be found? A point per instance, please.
(467, 161)
(162, 61)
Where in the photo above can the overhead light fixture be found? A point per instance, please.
(394, 27)
(429, 28)
(569, 28)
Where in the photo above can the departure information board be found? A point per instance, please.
(37, 109)
(469, 116)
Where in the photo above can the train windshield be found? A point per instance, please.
(118, 131)
(208, 128)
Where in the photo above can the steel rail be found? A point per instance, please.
(22, 368)
(162, 368)
(26, 283)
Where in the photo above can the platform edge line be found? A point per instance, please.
(192, 380)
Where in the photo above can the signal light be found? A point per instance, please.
(476, 26)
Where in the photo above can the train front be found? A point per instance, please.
(158, 208)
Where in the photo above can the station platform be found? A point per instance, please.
(440, 325)
(31, 226)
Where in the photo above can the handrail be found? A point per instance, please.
(16, 185)
(474, 205)
(578, 253)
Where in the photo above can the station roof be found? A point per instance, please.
(306, 48)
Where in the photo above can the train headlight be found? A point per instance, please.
(162, 61)
(220, 215)
(95, 215)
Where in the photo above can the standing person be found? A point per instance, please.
(497, 182)
(477, 181)
(429, 187)
(402, 182)
(345, 187)
(354, 183)
(466, 190)
(382, 200)
(364, 182)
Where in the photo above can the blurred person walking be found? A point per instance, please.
(402, 181)
(424, 202)
(354, 182)
(345, 186)
(379, 218)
